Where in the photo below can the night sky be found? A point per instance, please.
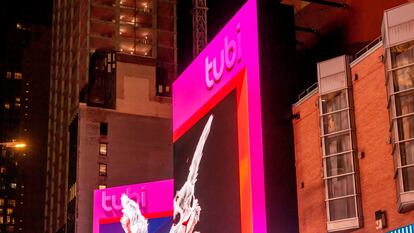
(27, 11)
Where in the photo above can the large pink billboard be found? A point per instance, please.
(126, 209)
(217, 134)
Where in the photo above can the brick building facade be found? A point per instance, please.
(353, 137)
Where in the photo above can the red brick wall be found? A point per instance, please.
(308, 160)
(378, 191)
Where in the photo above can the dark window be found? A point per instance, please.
(103, 129)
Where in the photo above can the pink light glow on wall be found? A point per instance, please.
(230, 62)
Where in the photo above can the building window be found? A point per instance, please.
(102, 169)
(3, 170)
(1, 202)
(102, 186)
(401, 98)
(1, 219)
(6, 105)
(103, 129)
(398, 42)
(72, 192)
(339, 156)
(338, 163)
(13, 185)
(18, 75)
(9, 211)
(11, 202)
(103, 148)
(8, 75)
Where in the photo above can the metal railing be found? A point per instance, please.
(367, 47)
(356, 56)
(307, 91)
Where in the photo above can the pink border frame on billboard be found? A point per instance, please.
(230, 62)
(157, 195)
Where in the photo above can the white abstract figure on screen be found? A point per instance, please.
(186, 207)
(132, 220)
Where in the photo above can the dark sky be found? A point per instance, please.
(27, 11)
(219, 12)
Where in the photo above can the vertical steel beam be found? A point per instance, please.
(199, 13)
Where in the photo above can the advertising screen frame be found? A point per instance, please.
(230, 62)
(154, 198)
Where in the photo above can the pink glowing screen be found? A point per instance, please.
(154, 198)
(230, 62)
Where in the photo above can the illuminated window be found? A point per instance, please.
(8, 219)
(17, 99)
(13, 185)
(1, 202)
(9, 211)
(72, 192)
(8, 74)
(103, 148)
(102, 186)
(18, 75)
(102, 169)
(1, 219)
(11, 202)
(2, 170)
(338, 145)
(401, 98)
(6, 105)
(17, 105)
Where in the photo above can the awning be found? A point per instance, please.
(406, 229)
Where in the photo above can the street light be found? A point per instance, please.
(17, 145)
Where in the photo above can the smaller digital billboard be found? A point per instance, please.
(137, 208)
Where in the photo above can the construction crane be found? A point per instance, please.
(199, 13)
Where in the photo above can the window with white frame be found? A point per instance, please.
(339, 163)
(399, 60)
(401, 106)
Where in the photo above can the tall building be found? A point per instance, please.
(353, 137)
(24, 76)
(120, 135)
(143, 30)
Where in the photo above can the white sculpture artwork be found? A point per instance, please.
(132, 220)
(186, 207)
